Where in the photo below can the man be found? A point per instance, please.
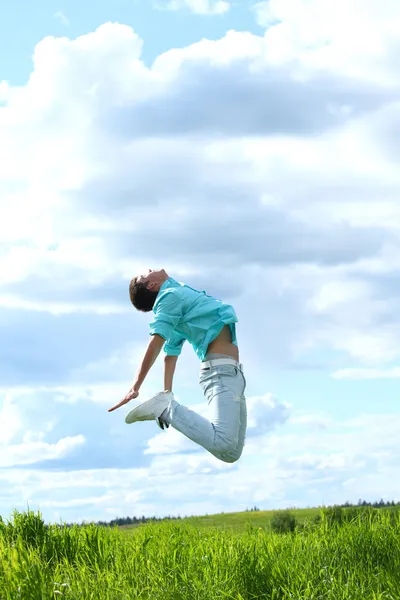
(182, 313)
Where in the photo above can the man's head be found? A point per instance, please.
(143, 289)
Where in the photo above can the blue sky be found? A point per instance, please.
(251, 151)
(26, 24)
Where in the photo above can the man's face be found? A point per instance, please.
(151, 278)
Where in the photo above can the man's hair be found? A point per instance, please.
(141, 298)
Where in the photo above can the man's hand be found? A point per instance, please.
(153, 350)
(130, 396)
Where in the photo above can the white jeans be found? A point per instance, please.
(224, 387)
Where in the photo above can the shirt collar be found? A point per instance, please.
(162, 288)
(165, 284)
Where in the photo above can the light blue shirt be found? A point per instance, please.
(183, 313)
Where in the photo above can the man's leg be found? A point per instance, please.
(224, 436)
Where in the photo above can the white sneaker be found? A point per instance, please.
(151, 410)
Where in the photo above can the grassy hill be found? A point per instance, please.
(240, 521)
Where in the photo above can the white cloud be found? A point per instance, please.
(79, 502)
(331, 465)
(264, 13)
(4, 91)
(392, 373)
(264, 413)
(31, 452)
(137, 129)
(190, 464)
(310, 421)
(335, 293)
(321, 33)
(10, 422)
(170, 442)
(198, 7)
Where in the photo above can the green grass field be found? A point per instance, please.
(240, 521)
(234, 557)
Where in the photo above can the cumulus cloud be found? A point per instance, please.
(70, 428)
(265, 413)
(31, 452)
(24, 443)
(323, 34)
(270, 172)
(334, 465)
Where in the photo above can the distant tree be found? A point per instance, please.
(283, 521)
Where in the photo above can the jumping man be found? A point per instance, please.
(182, 313)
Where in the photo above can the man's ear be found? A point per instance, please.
(150, 286)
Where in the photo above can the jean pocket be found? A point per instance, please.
(226, 371)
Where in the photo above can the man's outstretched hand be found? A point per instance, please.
(130, 396)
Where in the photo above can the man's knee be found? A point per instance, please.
(231, 458)
(229, 450)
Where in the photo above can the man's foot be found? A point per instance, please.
(151, 410)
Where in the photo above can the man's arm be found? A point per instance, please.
(167, 314)
(169, 370)
(152, 352)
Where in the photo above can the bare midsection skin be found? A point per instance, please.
(223, 344)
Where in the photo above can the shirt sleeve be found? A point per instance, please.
(174, 345)
(167, 315)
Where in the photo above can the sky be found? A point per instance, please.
(249, 148)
